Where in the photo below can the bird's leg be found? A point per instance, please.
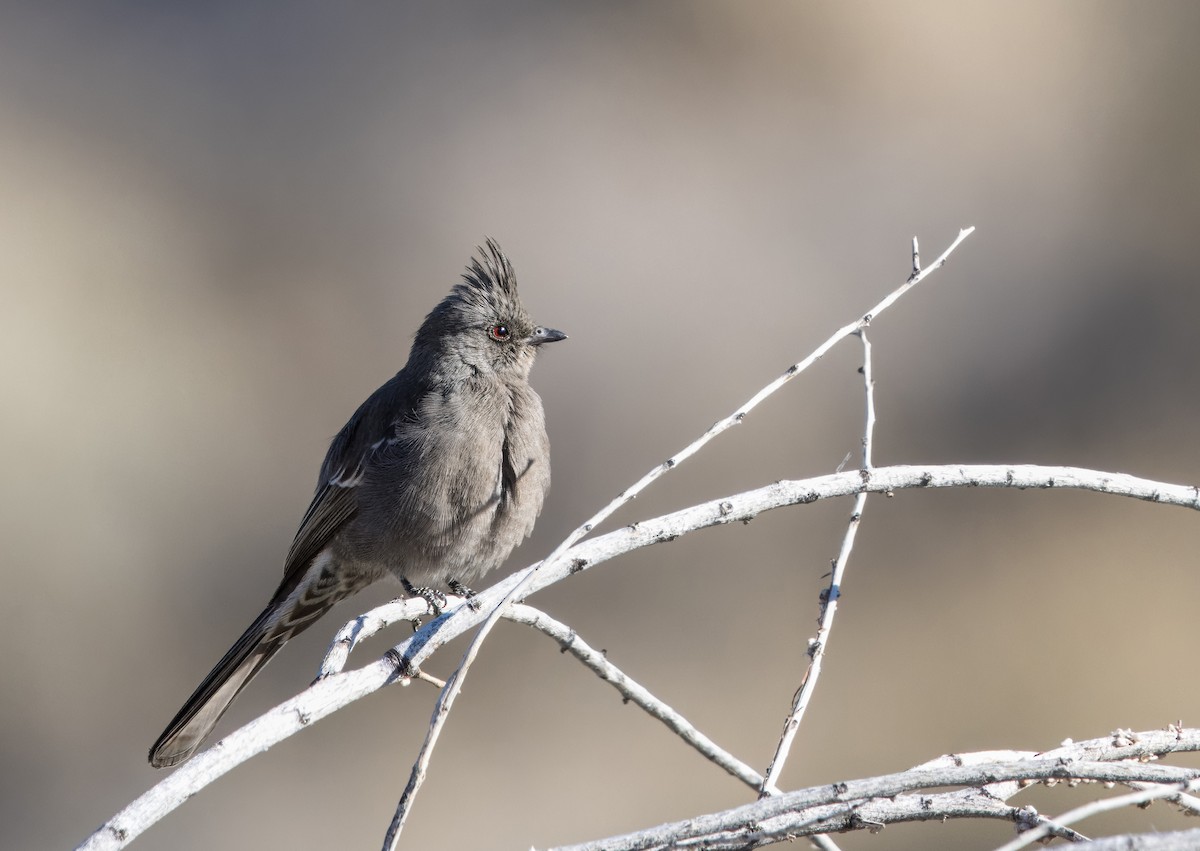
(436, 599)
(464, 592)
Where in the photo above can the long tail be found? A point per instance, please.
(212, 697)
(289, 613)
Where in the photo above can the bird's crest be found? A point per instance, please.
(490, 270)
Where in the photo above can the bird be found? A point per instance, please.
(434, 480)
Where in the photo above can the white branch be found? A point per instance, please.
(991, 778)
(1179, 840)
(895, 798)
(338, 690)
(454, 685)
(1134, 799)
(371, 623)
(633, 692)
(829, 601)
(744, 507)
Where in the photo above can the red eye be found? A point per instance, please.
(499, 333)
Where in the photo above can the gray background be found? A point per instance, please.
(222, 223)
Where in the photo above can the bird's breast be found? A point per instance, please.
(459, 486)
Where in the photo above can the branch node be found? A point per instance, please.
(1026, 818)
(405, 670)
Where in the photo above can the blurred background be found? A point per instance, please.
(223, 222)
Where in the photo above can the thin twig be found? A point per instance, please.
(1132, 799)
(454, 686)
(1176, 840)
(829, 600)
(632, 691)
(1189, 805)
(823, 843)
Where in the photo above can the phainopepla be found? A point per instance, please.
(434, 480)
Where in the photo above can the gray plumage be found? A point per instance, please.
(435, 479)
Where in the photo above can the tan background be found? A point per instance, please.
(222, 223)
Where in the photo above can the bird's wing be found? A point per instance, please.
(350, 456)
(331, 508)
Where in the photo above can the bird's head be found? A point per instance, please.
(482, 323)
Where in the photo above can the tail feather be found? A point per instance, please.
(294, 608)
(213, 696)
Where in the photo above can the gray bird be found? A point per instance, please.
(434, 480)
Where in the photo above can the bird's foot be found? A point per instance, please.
(435, 598)
(464, 592)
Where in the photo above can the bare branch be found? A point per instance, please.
(338, 690)
(1133, 799)
(823, 843)
(454, 686)
(632, 692)
(1179, 840)
(829, 600)
(879, 801)
(992, 778)
(370, 623)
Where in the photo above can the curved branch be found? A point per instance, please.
(331, 693)
(878, 801)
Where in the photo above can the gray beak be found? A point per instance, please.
(545, 335)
